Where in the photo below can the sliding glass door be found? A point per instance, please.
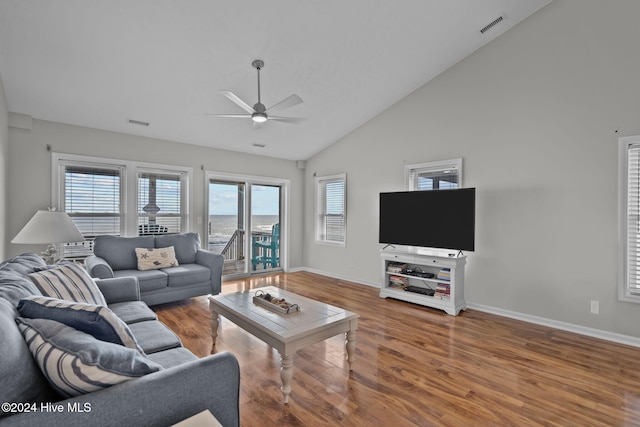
(265, 227)
(246, 222)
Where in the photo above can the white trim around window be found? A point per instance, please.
(331, 209)
(129, 171)
(435, 172)
(629, 219)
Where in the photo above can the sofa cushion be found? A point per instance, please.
(14, 283)
(186, 245)
(69, 282)
(23, 264)
(21, 379)
(120, 252)
(133, 311)
(187, 274)
(148, 280)
(76, 363)
(173, 357)
(96, 320)
(14, 287)
(154, 336)
(156, 258)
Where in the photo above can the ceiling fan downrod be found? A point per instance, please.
(259, 115)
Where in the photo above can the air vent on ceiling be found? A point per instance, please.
(137, 122)
(492, 24)
(259, 145)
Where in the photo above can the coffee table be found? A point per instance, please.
(287, 333)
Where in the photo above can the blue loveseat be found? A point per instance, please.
(199, 272)
(184, 386)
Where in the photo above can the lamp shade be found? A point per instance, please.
(49, 226)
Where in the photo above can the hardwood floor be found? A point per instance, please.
(417, 366)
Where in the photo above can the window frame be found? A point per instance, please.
(61, 197)
(321, 214)
(184, 180)
(437, 166)
(128, 185)
(625, 145)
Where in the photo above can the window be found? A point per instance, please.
(629, 288)
(92, 198)
(331, 209)
(441, 175)
(160, 203)
(95, 193)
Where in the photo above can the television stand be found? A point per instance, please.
(406, 268)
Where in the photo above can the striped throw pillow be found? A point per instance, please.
(96, 320)
(76, 363)
(68, 282)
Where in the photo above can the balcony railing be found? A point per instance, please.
(234, 249)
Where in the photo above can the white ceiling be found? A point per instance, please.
(98, 63)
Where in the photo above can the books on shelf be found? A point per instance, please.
(444, 274)
(443, 291)
(396, 267)
(398, 281)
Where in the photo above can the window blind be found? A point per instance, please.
(633, 220)
(92, 199)
(160, 203)
(332, 212)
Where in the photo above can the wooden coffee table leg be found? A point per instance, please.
(215, 322)
(351, 348)
(286, 373)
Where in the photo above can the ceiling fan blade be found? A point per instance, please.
(290, 101)
(233, 116)
(288, 119)
(232, 96)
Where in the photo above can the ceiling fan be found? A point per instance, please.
(258, 113)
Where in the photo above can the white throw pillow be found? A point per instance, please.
(156, 258)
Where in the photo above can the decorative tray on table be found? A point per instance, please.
(279, 305)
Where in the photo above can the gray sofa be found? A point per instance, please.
(199, 271)
(183, 387)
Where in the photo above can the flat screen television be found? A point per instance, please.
(443, 219)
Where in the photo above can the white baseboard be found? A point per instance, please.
(582, 330)
(570, 327)
(335, 276)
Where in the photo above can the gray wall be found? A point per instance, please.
(536, 116)
(30, 170)
(4, 154)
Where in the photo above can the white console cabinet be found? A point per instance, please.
(450, 297)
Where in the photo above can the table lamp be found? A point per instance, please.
(51, 227)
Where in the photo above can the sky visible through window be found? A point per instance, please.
(223, 199)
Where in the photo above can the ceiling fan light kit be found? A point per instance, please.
(258, 113)
(259, 117)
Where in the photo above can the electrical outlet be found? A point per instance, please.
(595, 307)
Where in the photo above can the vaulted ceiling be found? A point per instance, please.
(102, 63)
